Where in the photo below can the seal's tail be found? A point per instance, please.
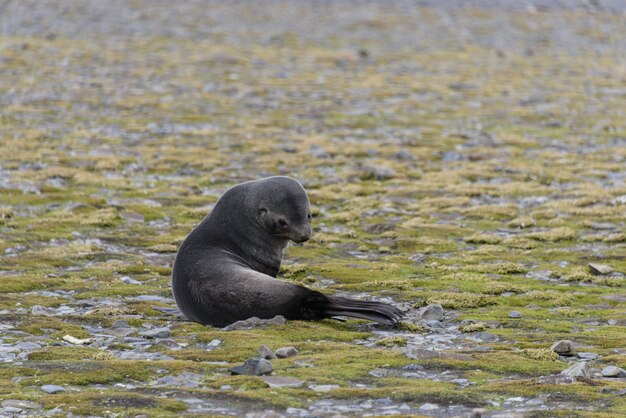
(374, 311)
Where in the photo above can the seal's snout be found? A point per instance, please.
(302, 236)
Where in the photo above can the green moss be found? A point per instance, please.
(392, 342)
(540, 354)
(408, 326)
(476, 327)
(459, 300)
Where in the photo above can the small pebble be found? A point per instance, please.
(53, 388)
(163, 332)
(129, 280)
(587, 356)
(515, 314)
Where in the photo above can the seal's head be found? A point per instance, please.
(283, 208)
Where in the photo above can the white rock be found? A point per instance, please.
(77, 341)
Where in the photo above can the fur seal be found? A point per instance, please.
(225, 269)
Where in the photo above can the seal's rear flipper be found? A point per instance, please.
(172, 311)
(332, 306)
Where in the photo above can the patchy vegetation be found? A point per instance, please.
(472, 158)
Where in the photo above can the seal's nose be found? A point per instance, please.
(302, 236)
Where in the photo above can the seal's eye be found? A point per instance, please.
(309, 216)
(282, 222)
(262, 211)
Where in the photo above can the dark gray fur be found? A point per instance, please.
(225, 269)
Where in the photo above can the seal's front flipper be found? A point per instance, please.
(172, 311)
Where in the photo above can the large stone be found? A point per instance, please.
(612, 371)
(580, 369)
(432, 313)
(253, 367)
(285, 352)
(564, 348)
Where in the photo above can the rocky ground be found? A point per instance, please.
(466, 164)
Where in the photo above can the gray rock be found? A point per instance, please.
(432, 312)
(285, 352)
(564, 348)
(282, 382)
(596, 268)
(163, 332)
(120, 323)
(515, 314)
(612, 371)
(580, 369)
(434, 323)
(255, 322)
(53, 388)
(265, 352)
(587, 356)
(20, 404)
(253, 367)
